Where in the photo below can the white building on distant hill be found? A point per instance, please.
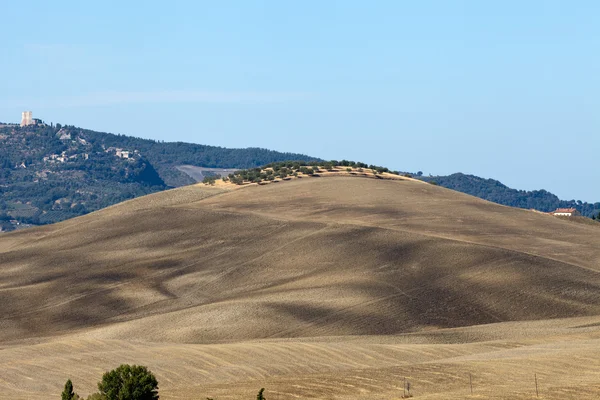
(122, 153)
(26, 118)
(565, 212)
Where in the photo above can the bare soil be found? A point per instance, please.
(331, 288)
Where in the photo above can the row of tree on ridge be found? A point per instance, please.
(285, 169)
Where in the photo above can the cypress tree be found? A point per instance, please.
(68, 393)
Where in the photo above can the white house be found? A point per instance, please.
(565, 212)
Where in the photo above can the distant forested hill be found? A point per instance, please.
(52, 173)
(492, 190)
(166, 156)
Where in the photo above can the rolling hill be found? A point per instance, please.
(322, 287)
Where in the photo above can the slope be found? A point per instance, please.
(329, 287)
(312, 257)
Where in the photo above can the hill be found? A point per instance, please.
(166, 157)
(49, 174)
(493, 190)
(323, 287)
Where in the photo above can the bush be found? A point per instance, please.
(209, 180)
(129, 382)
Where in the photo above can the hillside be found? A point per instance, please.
(323, 287)
(493, 190)
(166, 157)
(49, 174)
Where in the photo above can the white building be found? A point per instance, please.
(565, 212)
(27, 118)
(122, 153)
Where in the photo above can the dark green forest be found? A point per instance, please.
(165, 156)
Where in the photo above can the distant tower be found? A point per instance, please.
(26, 118)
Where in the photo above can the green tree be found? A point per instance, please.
(209, 180)
(260, 396)
(129, 382)
(68, 393)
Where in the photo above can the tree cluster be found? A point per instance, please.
(127, 382)
(284, 169)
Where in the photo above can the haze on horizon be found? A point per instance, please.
(505, 90)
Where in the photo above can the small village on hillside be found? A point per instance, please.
(65, 134)
(42, 165)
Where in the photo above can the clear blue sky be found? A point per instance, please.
(506, 89)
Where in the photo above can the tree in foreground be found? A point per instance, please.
(96, 396)
(129, 382)
(68, 393)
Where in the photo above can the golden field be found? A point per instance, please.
(320, 287)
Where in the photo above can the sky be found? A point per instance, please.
(506, 90)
